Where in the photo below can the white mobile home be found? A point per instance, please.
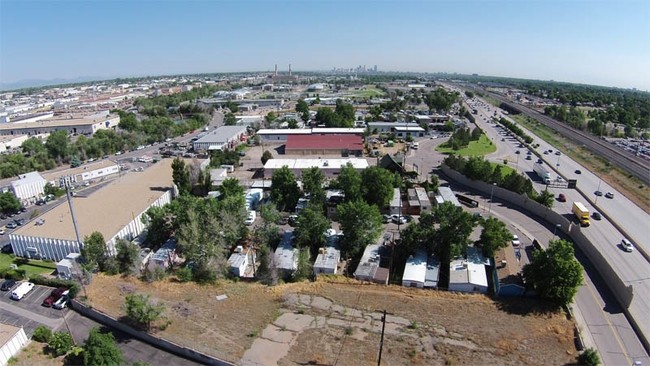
(415, 270)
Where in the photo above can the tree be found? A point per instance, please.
(554, 273)
(292, 123)
(270, 117)
(141, 311)
(360, 224)
(311, 227)
(266, 156)
(93, 249)
(452, 236)
(304, 267)
(101, 350)
(60, 343)
(349, 181)
(32, 146)
(303, 109)
(495, 235)
(232, 106)
(284, 189)
(181, 176)
(546, 198)
(9, 203)
(345, 113)
(230, 119)
(230, 187)
(42, 334)
(127, 257)
(326, 116)
(55, 191)
(589, 357)
(312, 184)
(57, 145)
(378, 184)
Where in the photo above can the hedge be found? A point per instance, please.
(55, 282)
(14, 274)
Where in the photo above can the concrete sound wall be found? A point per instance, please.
(623, 293)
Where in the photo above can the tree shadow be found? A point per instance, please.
(526, 305)
(159, 189)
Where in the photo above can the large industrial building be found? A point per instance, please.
(224, 137)
(73, 124)
(28, 187)
(96, 170)
(330, 167)
(324, 145)
(281, 135)
(114, 210)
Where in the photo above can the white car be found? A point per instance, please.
(627, 245)
(515, 241)
(398, 219)
(62, 301)
(2, 231)
(252, 215)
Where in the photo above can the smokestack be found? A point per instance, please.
(276, 70)
(289, 69)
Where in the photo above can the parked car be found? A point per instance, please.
(398, 219)
(282, 220)
(578, 171)
(609, 195)
(561, 197)
(517, 152)
(2, 231)
(540, 161)
(8, 285)
(23, 209)
(528, 157)
(293, 220)
(19, 222)
(386, 219)
(12, 225)
(596, 216)
(558, 153)
(54, 296)
(627, 245)
(40, 202)
(598, 193)
(62, 302)
(515, 241)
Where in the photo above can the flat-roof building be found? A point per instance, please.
(328, 257)
(369, 268)
(82, 125)
(28, 187)
(114, 210)
(329, 167)
(224, 137)
(286, 256)
(96, 170)
(415, 270)
(468, 275)
(12, 340)
(448, 195)
(281, 135)
(330, 144)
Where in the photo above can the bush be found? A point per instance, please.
(42, 334)
(589, 357)
(55, 282)
(184, 274)
(156, 274)
(14, 274)
(60, 343)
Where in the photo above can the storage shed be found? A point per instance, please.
(12, 340)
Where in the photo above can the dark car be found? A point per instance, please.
(561, 197)
(23, 209)
(20, 222)
(578, 171)
(293, 220)
(7, 249)
(517, 152)
(54, 296)
(8, 285)
(282, 220)
(596, 216)
(598, 193)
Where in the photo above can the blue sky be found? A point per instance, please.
(594, 42)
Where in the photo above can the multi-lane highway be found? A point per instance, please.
(633, 268)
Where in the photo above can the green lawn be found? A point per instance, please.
(505, 170)
(475, 148)
(32, 268)
(368, 93)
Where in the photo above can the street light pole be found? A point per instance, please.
(557, 226)
(491, 195)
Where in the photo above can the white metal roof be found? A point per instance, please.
(221, 135)
(416, 267)
(323, 164)
(27, 178)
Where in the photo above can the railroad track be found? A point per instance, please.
(633, 164)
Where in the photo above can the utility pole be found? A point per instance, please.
(381, 342)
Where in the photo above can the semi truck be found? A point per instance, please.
(542, 173)
(581, 213)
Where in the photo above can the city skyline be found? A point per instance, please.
(599, 43)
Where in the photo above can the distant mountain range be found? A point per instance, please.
(40, 82)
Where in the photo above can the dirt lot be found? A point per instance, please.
(339, 321)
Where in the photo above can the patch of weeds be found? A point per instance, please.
(253, 334)
(283, 328)
(300, 311)
(413, 325)
(413, 352)
(349, 330)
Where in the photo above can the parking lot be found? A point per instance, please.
(28, 312)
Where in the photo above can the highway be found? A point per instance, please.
(633, 268)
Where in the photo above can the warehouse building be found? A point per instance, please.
(28, 187)
(97, 170)
(114, 210)
(334, 144)
(73, 124)
(281, 135)
(224, 137)
(393, 127)
(330, 167)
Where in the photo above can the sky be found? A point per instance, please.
(592, 42)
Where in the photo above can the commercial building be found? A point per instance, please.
(28, 187)
(74, 125)
(418, 201)
(224, 137)
(281, 135)
(83, 173)
(329, 167)
(12, 340)
(330, 144)
(468, 275)
(401, 129)
(115, 211)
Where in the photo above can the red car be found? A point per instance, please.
(54, 296)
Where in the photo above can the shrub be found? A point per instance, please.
(56, 282)
(184, 274)
(42, 334)
(60, 343)
(14, 274)
(589, 357)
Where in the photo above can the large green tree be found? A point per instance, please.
(142, 311)
(349, 181)
(60, 343)
(495, 235)
(128, 256)
(181, 176)
(8, 202)
(554, 273)
(57, 145)
(266, 156)
(378, 184)
(361, 225)
(303, 109)
(93, 249)
(230, 187)
(284, 189)
(101, 350)
(312, 184)
(311, 227)
(452, 235)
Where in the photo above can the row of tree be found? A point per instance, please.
(99, 349)
(514, 128)
(462, 137)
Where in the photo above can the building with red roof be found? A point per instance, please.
(335, 144)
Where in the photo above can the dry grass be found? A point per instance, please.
(478, 329)
(34, 354)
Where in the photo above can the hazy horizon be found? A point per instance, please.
(598, 42)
